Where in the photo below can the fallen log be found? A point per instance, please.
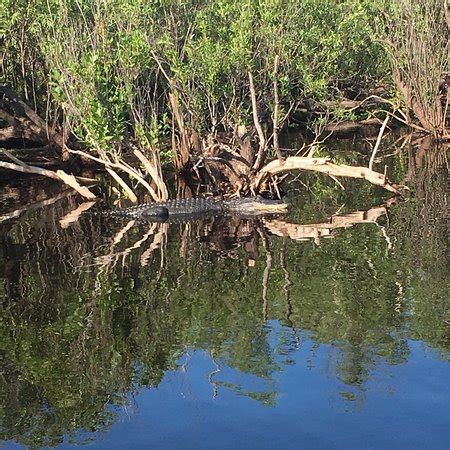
(349, 128)
(323, 165)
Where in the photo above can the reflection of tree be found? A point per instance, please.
(421, 233)
(79, 331)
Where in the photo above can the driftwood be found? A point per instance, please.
(322, 165)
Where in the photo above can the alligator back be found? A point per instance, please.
(192, 206)
(179, 207)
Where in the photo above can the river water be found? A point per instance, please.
(326, 328)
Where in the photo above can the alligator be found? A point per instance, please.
(195, 207)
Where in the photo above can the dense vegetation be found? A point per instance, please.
(108, 66)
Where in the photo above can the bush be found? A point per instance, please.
(109, 65)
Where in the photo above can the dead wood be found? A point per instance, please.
(110, 167)
(27, 123)
(244, 143)
(9, 133)
(154, 170)
(225, 166)
(261, 137)
(223, 172)
(322, 165)
(347, 128)
(59, 175)
(276, 124)
(377, 143)
(182, 151)
(128, 191)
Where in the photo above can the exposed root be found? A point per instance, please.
(154, 170)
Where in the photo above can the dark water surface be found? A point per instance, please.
(329, 328)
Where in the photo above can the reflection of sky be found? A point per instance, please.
(406, 406)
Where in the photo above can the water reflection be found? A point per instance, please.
(95, 309)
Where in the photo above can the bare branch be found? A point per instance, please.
(262, 139)
(59, 175)
(276, 107)
(377, 144)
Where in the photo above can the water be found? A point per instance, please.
(230, 333)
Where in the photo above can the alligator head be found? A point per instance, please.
(256, 205)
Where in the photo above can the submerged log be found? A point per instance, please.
(350, 128)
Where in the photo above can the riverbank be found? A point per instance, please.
(129, 87)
